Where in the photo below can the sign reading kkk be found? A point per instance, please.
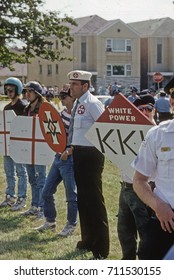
(118, 133)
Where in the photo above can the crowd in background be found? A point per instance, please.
(80, 166)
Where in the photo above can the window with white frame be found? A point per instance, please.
(118, 45)
(50, 46)
(108, 45)
(128, 69)
(49, 69)
(118, 70)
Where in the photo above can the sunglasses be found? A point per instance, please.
(147, 108)
(62, 96)
(29, 90)
(9, 90)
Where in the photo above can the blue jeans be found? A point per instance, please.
(11, 170)
(60, 170)
(37, 177)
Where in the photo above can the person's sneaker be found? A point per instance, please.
(67, 230)
(9, 201)
(20, 204)
(40, 214)
(46, 226)
(32, 211)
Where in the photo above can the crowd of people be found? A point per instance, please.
(146, 204)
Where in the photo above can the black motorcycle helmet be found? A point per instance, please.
(35, 86)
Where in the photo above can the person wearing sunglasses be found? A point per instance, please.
(13, 89)
(133, 214)
(61, 170)
(156, 158)
(145, 104)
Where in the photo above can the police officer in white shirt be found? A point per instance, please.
(88, 167)
(156, 159)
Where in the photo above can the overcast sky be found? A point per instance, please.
(126, 10)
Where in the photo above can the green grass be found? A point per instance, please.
(18, 239)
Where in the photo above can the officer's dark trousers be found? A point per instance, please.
(157, 241)
(132, 215)
(88, 167)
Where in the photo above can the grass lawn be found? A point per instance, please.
(18, 239)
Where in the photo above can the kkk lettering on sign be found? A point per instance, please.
(118, 133)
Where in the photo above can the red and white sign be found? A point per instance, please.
(118, 133)
(6, 118)
(27, 144)
(52, 127)
(158, 77)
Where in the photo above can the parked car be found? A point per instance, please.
(104, 98)
(103, 91)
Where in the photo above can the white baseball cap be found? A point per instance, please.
(79, 75)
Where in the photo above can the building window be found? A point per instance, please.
(118, 70)
(57, 69)
(49, 69)
(50, 46)
(159, 53)
(109, 70)
(40, 69)
(128, 70)
(108, 45)
(128, 46)
(57, 45)
(118, 45)
(83, 52)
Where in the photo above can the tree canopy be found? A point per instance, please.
(25, 23)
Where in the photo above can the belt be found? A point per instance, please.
(126, 185)
(82, 147)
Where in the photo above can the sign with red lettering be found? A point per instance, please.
(118, 133)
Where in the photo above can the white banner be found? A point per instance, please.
(89, 270)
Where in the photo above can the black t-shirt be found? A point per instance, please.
(18, 107)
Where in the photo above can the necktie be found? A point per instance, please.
(70, 132)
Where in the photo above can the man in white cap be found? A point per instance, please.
(88, 167)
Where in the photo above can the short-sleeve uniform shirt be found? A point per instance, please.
(156, 159)
(88, 111)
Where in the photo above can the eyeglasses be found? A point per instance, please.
(62, 96)
(147, 108)
(29, 90)
(9, 90)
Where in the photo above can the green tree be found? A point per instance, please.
(25, 23)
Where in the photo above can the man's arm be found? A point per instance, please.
(162, 209)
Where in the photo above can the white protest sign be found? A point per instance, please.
(6, 118)
(27, 144)
(118, 133)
